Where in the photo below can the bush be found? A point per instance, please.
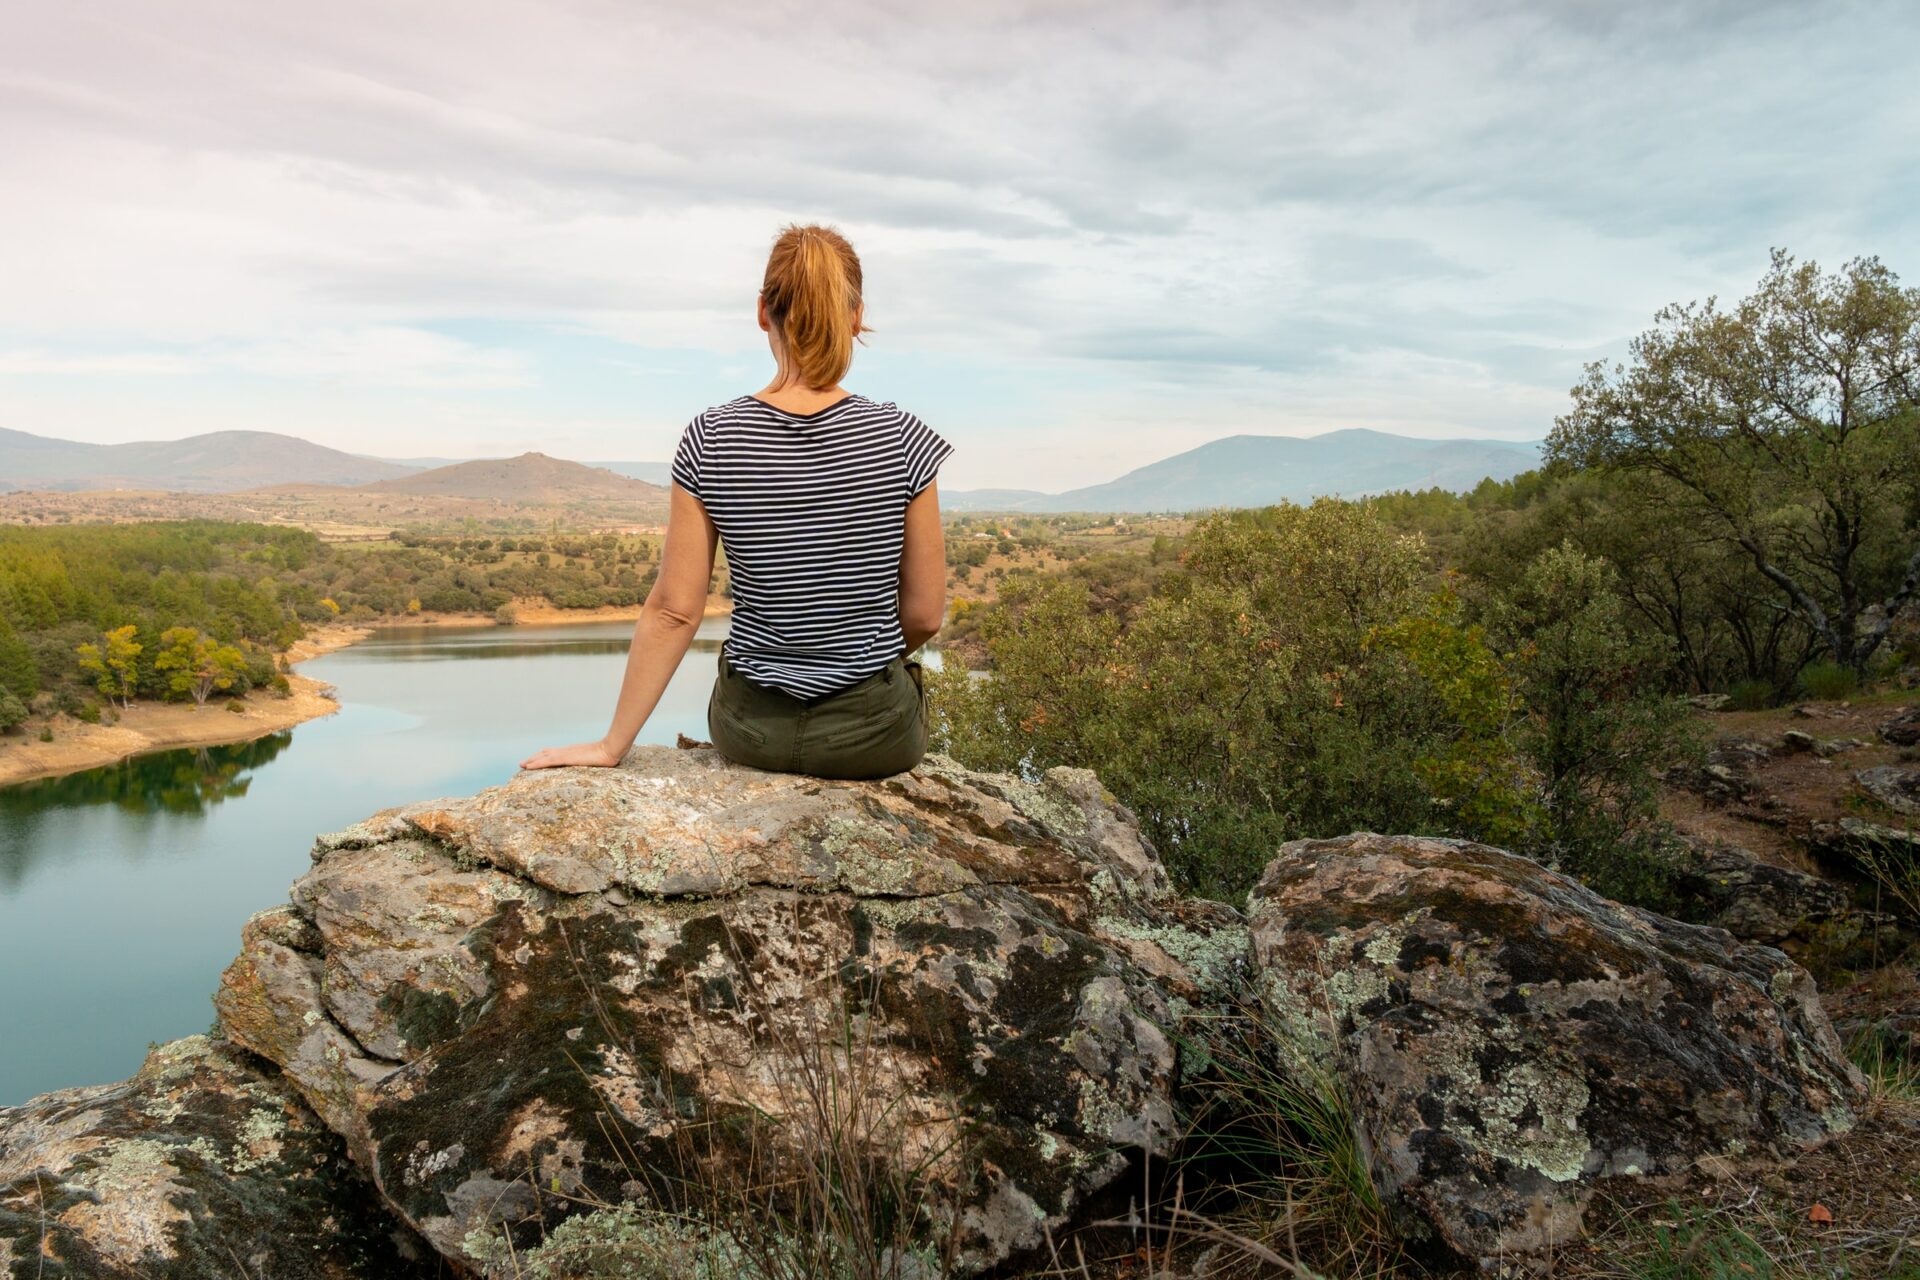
(46, 733)
(1239, 704)
(1829, 681)
(1752, 695)
(1598, 738)
(88, 713)
(13, 712)
(236, 706)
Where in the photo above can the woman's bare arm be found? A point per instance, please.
(923, 571)
(668, 620)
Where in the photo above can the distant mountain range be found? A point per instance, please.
(218, 462)
(1238, 471)
(1257, 471)
(531, 477)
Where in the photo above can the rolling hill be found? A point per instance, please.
(1254, 471)
(529, 478)
(217, 462)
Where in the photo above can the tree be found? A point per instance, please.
(113, 663)
(1598, 736)
(19, 674)
(1789, 426)
(197, 665)
(13, 712)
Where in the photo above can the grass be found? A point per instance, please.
(1275, 1143)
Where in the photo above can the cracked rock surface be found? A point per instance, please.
(200, 1165)
(1508, 1036)
(524, 1000)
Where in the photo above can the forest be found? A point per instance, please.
(1731, 516)
(181, 609)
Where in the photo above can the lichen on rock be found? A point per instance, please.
(199, 1164)
(528, 999)
(1508, 1037)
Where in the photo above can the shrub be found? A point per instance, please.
(1829, 681)
(13, 712)
(88, 713)
(1752, 695)
(1598, 738)
(46, 733)
(236, 706)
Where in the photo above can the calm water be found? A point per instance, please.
(122, 890)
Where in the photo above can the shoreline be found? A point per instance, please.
(166, 726)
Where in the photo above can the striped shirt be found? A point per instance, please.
(811, 509)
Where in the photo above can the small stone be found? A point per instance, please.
(1797, 740)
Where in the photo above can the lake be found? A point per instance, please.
(123, 889)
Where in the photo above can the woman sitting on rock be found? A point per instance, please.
(827, 503)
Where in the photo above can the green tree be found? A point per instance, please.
(13, 712)
(114, 663)
(1598, 734)
(195, 665)
(1789, 426)
(19, 674)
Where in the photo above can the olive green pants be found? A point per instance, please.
(873, 728)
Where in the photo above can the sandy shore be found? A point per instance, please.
(156, 726)
(539, 613)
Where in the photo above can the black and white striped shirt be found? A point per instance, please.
(811, 509)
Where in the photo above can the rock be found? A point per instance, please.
(1904, 729)
(201, 1165)
(1811, 918)
(1797, 740)
(1710, 701)
(1856, 847)
(1507, 1037)
(1725, 776)
(615, 985)
(1893, 786)
(1827, 748)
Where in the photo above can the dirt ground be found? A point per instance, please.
(1795, 789)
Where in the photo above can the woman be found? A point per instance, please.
(827, 503)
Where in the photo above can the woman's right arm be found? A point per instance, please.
(668, 620)
(923, 571)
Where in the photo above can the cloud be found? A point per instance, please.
(1245, 213)
(377, 357)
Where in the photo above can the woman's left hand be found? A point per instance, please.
(596, 755)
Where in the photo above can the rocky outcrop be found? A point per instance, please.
(1814, 920)
(201, 1165)
(623, 986)
(1893, 786)
(1508, 1037)
(593, 1009)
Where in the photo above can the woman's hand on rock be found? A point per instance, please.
(594, 755)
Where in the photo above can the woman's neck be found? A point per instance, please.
(794, 396)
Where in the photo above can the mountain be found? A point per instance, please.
(218, 462)
(652, 472)
(1257, 471)
(531, 477)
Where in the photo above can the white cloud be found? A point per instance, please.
(1229, 216)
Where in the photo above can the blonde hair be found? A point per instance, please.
(812, 292)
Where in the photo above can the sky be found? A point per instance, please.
(1094, 234)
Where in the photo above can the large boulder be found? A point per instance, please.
(626, 987)
(201, 1165)
(1508, 1037)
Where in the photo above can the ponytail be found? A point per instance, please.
(812, 292)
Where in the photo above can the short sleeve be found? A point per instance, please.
(923, 450)
(689, 455)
